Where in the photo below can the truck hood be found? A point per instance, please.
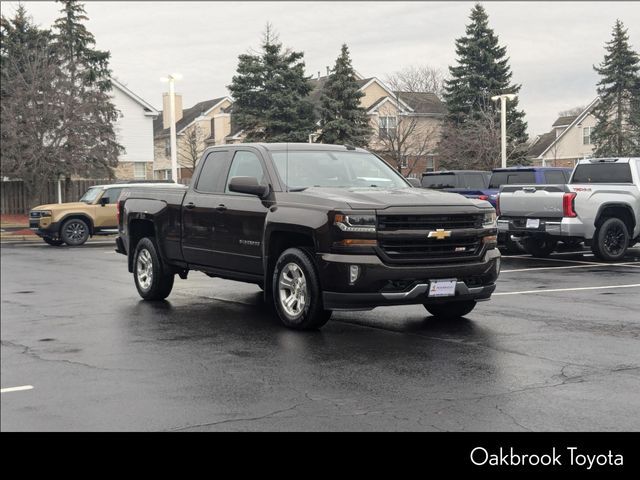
(379, 199)
(61, 206)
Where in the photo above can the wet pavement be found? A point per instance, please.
(557, 348)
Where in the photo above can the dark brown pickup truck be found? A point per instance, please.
(318, 227)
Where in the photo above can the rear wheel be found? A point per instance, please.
(74, 232)
(611, 240)
(297, 295)
(54, 242)
(152, 280)
(450, 310)
(539, 247)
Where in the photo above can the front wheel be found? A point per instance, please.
(152, 281)
(450, 310)
(539, 247)
(74, 232)
(297, 295)
(611, 240)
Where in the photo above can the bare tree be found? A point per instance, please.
(417, 78)
(571, 111)
(475, 144)
(191, 147)
(404, 145)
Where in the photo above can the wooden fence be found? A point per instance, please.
(14, 201)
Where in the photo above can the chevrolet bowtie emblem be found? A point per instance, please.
(440, 234)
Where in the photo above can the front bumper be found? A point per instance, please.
(556, 227)
(44, 227)
(381, 284)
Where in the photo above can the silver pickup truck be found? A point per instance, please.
(600, 206)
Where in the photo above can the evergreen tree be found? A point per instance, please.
(88, 114)
(342, 119)
(270, 93)
(483, 71)
(617, 132)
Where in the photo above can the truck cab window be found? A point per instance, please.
(112, 194)
(211, 179)
(246, 164)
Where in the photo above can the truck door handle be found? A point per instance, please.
(190, 205)
(221, 208)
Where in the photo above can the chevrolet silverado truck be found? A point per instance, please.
(599, 206)
(318, 227)
(74, 222)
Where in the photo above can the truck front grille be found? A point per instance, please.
(405, 238)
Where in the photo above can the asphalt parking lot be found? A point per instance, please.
(557, 348)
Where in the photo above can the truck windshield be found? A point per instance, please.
(445, 180)
(91, 195)
(303, 169)
(602, 173)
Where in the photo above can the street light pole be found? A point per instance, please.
(171, 78)
(503, 123)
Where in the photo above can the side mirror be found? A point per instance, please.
(104, 201)
(414, 182)
(248, 185)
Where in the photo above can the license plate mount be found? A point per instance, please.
(533, 223)
(442, 288)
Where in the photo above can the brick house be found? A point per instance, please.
(568, 141)
(204, 124)
(134, 131)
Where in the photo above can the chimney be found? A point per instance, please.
(328, 70)
(165, 109)
(318, 74)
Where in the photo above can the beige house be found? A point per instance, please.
(406, 125)
(206, 123)
(568, 141)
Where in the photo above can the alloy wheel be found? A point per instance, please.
(292, 286)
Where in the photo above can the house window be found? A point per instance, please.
(167, 147)
(387, 127)
(586, 135)
(139, 170)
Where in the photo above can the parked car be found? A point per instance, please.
(600, 206)
(318, 227)
(525, 175)
(470, 183)
(74, 222)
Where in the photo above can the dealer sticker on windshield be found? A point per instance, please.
(442, 288)
(533, 222)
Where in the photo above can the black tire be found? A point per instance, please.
(539, 247)
(74, 232)
(510, 246)
(611, 240)
(450, 310)
(306, 311)
(53, 242)
(159, 286)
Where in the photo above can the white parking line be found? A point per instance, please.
(632, 264)
(563, 260)
(16, 389)
(551, 290)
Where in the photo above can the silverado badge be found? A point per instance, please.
(439, 233)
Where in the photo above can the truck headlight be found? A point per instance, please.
(355, 223)
(41, 213)
(489, 220)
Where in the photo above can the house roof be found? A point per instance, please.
(188, 116)
(564, 121)
(541, 144)
(148, 108)
(576, 119)
(423, 102)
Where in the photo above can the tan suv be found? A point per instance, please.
(73, 223)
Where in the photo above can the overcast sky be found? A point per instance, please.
(552, 45)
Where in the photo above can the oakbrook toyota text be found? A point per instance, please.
(572, 457)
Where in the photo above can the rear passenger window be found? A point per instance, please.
(212, 175)
(554, 177)
(602, 173)
(474, 181)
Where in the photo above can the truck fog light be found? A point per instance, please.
(354, 273)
